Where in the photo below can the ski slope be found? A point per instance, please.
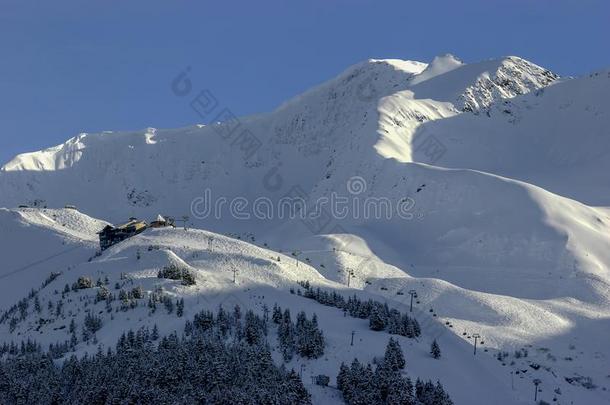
(263, 280)
(36, 242)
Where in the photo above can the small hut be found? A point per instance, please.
(161, 222)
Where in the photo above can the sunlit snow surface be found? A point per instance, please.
(510, 234)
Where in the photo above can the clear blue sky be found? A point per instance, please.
(83, 66)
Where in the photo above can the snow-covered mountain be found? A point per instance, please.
(499, 168)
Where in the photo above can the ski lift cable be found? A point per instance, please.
(28, 266)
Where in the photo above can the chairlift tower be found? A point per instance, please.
(350, 274)
(412, 293)
(476, 337)
(184, 220)
(234, 270)
(536, 384)
(296, 254)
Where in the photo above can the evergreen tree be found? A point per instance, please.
(400, 391)
(419, 389)
(440, 397)
(180, 307)
(152, 304)
(123, 296)
(426, 393)
(59, 308)
(360, 385)
(37, 306)
(138, 371)
(155, 333)
(253, 329)
(188, 328)
(309, 339)
(435, 350)
(92, 323)
(343, 377)
(416, 327)
(73, 340)
(295, 391)
(137, 292)
(223, 320)
(286, 337)
(169, 304)
(395, 325)
(394, 357)
(377, 321)
(276, 316)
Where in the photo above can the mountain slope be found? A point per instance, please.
(37, 242)
(554, 138)
(262, 279)
(496, 169)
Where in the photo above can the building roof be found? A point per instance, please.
(124, 226)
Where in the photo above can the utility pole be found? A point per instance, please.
(353, 333)
(412, 293)
(536, 384)
(476, 337)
